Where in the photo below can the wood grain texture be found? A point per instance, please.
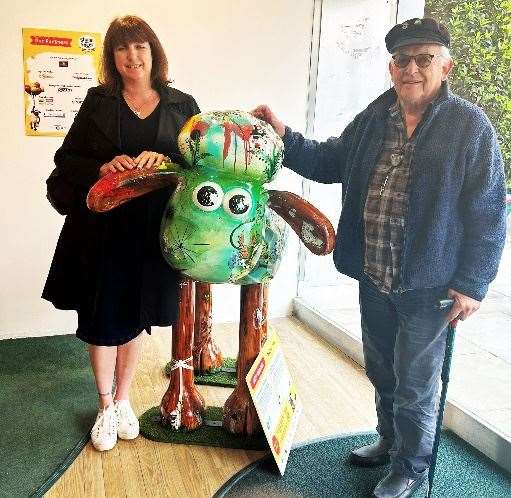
(206, 354)
(240, 416)
(336, 396)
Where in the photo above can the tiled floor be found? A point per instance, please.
(481, 370)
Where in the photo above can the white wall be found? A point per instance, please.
(227, 53)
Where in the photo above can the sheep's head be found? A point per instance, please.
(217, 226)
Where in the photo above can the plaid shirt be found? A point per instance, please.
(386, 205)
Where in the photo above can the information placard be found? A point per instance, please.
(275, 399)
(59, 68)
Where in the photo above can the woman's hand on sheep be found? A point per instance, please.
(149, 159)
(265, 113)
(118, 163)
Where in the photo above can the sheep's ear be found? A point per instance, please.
(309, 223)
(115, 189)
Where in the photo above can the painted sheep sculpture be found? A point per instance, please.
(219, 226)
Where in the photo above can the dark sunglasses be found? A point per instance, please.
(422, 60)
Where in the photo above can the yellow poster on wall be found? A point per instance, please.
(59, 67)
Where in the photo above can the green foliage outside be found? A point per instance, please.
(481, 48)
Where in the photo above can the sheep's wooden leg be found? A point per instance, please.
(182, 404)
(206, 354)
(264, 309)
(240, 415)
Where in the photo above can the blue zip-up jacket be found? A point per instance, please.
(455, 226)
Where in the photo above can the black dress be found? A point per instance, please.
(131, 247)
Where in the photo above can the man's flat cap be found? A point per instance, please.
(417, 32)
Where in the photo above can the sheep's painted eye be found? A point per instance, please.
(237, 202)
(208, 196)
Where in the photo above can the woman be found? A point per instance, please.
(108, 267)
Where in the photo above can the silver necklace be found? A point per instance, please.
(134, 108)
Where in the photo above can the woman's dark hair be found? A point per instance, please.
(131, 29)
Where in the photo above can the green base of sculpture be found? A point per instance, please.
(206, 435)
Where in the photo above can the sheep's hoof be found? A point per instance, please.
(185, 413)
(240, 416)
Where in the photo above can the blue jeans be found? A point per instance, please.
(404, 338)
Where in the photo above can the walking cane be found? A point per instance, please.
(451, 329)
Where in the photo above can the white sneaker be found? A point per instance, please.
(104, 431)
(129, 427)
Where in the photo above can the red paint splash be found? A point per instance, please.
(201, 127)
(242, 131)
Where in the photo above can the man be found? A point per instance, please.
(423, 218)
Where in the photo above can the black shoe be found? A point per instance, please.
(397, 486)
(372, 455)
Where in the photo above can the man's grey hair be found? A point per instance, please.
(445, 52)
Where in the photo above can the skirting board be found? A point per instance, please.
(467, 425)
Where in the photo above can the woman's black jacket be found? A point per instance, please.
(94, 139)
